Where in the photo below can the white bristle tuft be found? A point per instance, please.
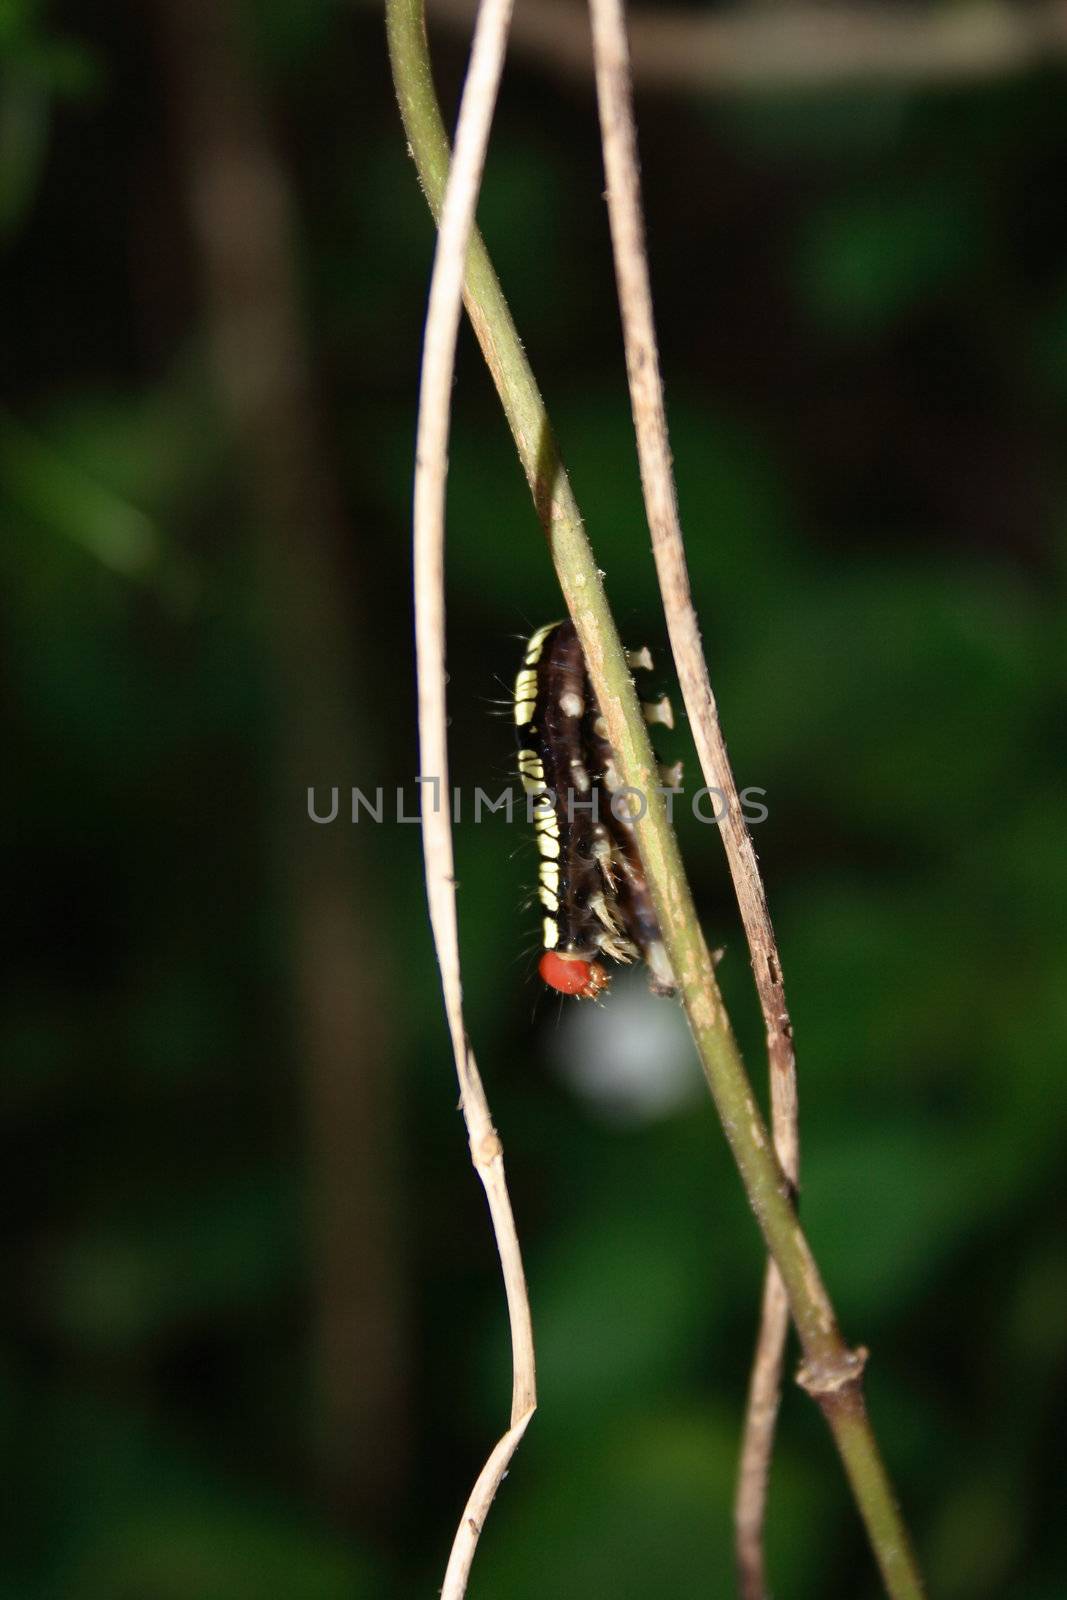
(659, 711)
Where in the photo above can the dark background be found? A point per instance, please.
(253, 1337)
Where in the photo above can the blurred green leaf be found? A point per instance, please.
(873, 258)
(834, 127)
(120, 1285)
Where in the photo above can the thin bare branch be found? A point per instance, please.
(619, 138)
(431, 471)
(831, 1372)
(802, 46)
(757, 1440)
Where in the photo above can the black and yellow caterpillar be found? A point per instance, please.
(594, 895)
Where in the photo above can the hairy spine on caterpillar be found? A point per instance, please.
(591, 883)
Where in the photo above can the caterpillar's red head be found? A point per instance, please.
(573, 975)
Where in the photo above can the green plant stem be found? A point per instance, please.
(831, 1372)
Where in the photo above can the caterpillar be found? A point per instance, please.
(594, 896)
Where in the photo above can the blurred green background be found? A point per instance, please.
(253, 1334)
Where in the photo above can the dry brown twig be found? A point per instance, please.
(794, 46)
(431, 471)
(832, 1372)
(618, 133)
